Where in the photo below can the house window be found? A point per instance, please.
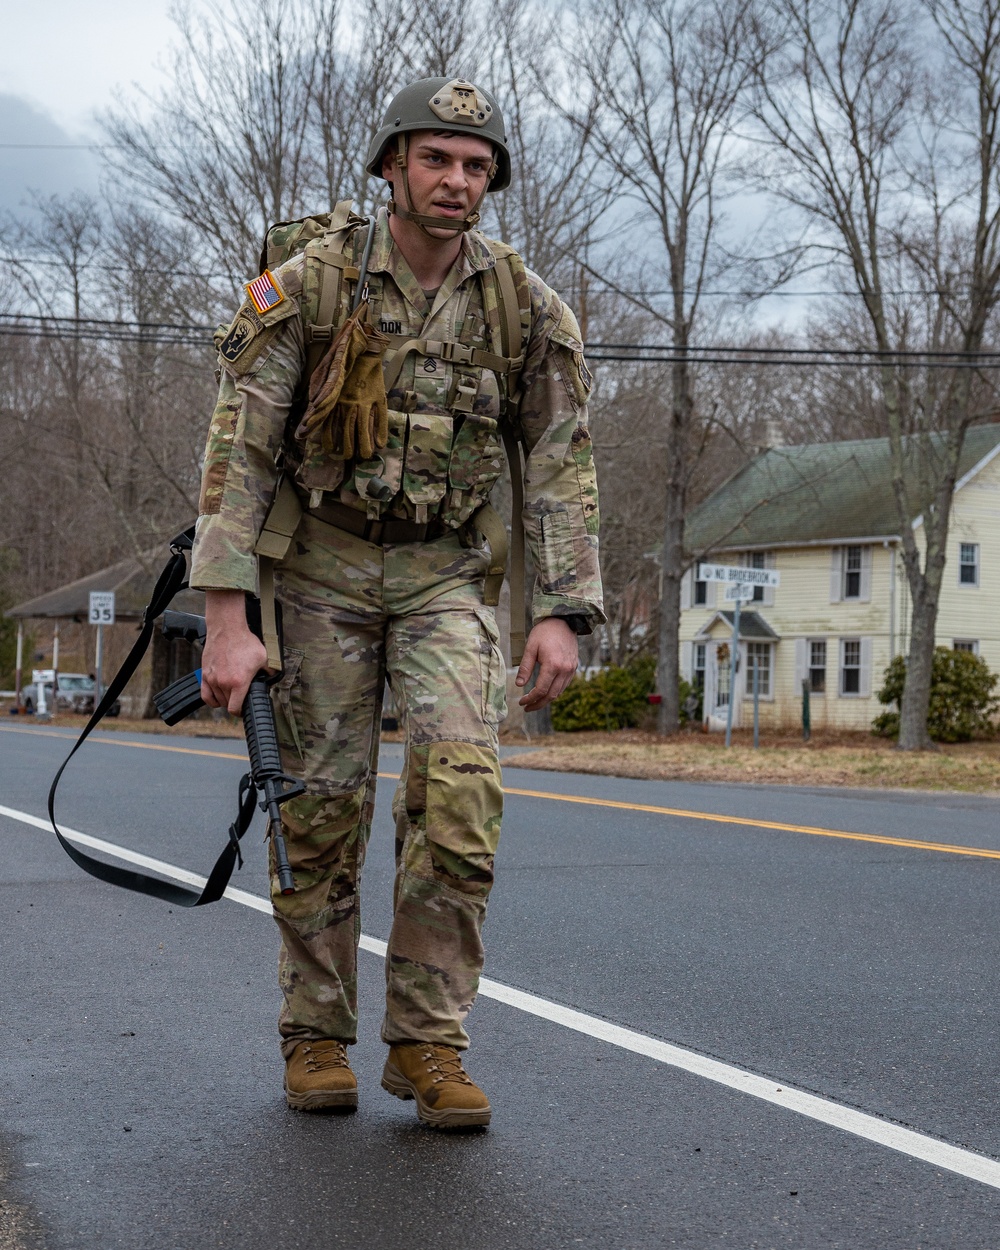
(968, 564)
(759, 660)
(852, 573)
(698, 670)
(966, 644)
(850, 666)
(817, 665)
(757, 561)
(700, 594)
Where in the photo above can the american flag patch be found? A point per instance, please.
(264, 292)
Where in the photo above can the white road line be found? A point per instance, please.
(882, 1132)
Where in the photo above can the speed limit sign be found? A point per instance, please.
(102, 607)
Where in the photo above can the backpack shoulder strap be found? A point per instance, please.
(334, 257)
(275, 538)
(510, 286)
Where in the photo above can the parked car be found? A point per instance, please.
(75, 693)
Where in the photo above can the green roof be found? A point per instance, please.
(131, 580)
(816, 492)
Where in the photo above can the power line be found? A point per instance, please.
(734, 357)
(164, 333)
(790, 351)
(744, 358)
(97, 321)
(106, 268)
(609, 290)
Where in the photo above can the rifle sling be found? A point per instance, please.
(171, 580)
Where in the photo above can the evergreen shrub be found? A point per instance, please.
(962, 703)
(614, 698)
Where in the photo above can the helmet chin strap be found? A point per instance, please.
(424, 220)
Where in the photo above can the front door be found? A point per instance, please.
(717, 677)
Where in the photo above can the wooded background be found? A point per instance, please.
(683, 173)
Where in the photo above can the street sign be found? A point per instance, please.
(742, 591)
(737, 573)
(102, 607)
(43, 676)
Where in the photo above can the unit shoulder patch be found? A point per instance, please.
(569, 342)
(245, 327)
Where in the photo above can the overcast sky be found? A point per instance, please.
(62, 63)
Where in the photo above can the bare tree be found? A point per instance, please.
(262, 121)
(670, 78)
(898, 173)
(101, 414)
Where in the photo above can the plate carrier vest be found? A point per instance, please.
(334, 255)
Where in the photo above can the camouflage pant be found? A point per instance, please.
(355, 613)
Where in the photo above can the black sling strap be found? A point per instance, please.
(171, 580)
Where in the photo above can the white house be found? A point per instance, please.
(824, 516)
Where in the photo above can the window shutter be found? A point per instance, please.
(710, 594)
(866, 575)
(801, 663)
(770, 562)
(687, 660)
(866, 668)
(836, 573)
(687, 583)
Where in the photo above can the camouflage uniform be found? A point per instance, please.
(355, 612)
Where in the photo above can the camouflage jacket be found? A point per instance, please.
(460, 454)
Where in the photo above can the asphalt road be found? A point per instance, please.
(142, 1103)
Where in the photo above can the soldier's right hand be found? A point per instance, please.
(233, 656)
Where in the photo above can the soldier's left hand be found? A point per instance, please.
(552, 646)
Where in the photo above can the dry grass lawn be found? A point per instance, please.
(854, 760)
(857, 760)
(227, 727)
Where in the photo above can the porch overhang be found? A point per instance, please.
(753, 627)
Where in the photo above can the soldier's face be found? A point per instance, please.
(447, 173)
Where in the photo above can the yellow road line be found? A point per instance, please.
(816, 831)
(714, 818)
(114, 742)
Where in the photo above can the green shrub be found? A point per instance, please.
(615, 698)
(962, 702)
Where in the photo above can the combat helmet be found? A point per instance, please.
(451, 104)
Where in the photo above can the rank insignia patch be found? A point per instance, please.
(264, 292)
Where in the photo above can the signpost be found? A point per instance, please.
(740, 583)
(102, 612)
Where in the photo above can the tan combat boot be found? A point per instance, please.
(433, 1075)
(318, 1077)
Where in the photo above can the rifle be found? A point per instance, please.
(183, 697)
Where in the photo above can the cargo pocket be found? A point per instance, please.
(493, 672)
(387, 466)
(583, 456)
(320, 473)
(557, 556)
(286, 701)
(464, 806)
(476, 454)
(425, 469)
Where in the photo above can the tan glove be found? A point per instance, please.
(348, 413)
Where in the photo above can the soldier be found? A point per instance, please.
(372, 371)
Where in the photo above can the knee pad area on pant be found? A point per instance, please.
(454, 805)
(326, 840)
